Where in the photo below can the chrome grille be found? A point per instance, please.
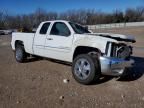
(118, 50)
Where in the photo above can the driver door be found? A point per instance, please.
(59, 42)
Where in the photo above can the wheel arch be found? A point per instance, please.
(19, 42)
(83, 50)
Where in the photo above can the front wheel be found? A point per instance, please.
(85, 69)
(20, 54)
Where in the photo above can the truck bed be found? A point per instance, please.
(26, 38)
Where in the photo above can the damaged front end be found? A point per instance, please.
(116, 59)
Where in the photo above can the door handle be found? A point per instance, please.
(49, 38)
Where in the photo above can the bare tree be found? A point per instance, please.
(1, 20)
(82, 16)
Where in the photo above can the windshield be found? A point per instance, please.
(78, 29)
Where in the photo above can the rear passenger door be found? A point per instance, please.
(59, 41)
(39, 39)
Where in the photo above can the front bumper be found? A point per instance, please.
(114, 66)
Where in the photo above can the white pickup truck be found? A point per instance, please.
(91, 54)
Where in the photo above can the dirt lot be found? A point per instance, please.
(39, 83)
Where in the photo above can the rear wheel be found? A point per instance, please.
(20, 54)
(85, 69)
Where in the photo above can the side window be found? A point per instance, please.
(60, 28)
(44, 28)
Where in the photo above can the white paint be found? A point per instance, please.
(60, 47)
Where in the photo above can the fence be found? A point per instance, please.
(115, 25)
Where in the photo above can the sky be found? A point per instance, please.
(29, 6)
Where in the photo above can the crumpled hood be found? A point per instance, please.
(118, 37)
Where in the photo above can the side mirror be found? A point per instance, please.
(86, 27)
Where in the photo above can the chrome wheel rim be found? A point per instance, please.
(82, 69)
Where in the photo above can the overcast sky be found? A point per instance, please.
(29, 6)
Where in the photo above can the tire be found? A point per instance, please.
(85, 69)
(20, 54)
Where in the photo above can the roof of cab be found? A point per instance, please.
(56, 21)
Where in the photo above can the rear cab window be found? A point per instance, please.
(44, 28)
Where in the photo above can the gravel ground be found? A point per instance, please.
(39, 82)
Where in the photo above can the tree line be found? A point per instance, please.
(82, 16)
